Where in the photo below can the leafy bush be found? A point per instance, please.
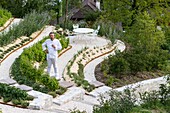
(52, 94)
(115, 64)
(24, 104)
(4, 16)
(7, 99)
(91, 15)
(16, 102)
(166, 45)
(51, 83)
(107, 28)
(69, 25)
(61, 90)
(11, 93)
(30, 97)
(118, 103)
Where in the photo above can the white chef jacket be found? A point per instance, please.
(52, 52)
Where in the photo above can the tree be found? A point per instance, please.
(127, 10)
(68, 5)
(144, 51)
(21, 7)
(145, 42)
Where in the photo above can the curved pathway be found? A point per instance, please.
(6, 64)
(90, 68)
(62, 62)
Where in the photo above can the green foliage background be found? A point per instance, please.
(4, 16)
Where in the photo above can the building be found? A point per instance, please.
(87, 5)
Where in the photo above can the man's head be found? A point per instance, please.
(52, 36)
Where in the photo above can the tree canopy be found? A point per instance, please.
(127, 10)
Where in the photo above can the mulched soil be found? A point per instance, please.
(125, 79)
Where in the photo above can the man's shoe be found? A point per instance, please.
(57, 78)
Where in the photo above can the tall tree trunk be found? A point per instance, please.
(66, 14)
(58, 11)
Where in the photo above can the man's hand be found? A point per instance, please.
(53, 46)
(46, 51)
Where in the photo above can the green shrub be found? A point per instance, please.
(118, 103)
(68, 25)
(6, 99)
(4, 16)
(115, 65)
(127, 102)
(51, 83)
(107, 28)
(24, 104)
(150, 99)
(52, 94)
(61, 91)
(91, 15)
(1, 56)
(30, 97)
(16, 102)
(10, 92)
(110, 80)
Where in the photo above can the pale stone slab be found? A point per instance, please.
(41, 100)
(66, 84)
(8, 81)
(73, 93)
(97, 84)
(36, 104)
(100, 91)
(24, 87)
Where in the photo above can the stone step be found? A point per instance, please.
(73, 93)
(41, 100)
(24, 87)
(8, 81)
(100, 91)
(65, 84)
(96, 83)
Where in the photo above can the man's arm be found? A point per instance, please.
(44, 47)
(57, 46)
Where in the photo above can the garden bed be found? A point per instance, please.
(115, 82)
(13, 96)
(74, 70)
(17, 44)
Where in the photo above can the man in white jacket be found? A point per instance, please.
(51, 46)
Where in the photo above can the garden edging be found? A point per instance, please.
(22, 45)
(6, 24)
